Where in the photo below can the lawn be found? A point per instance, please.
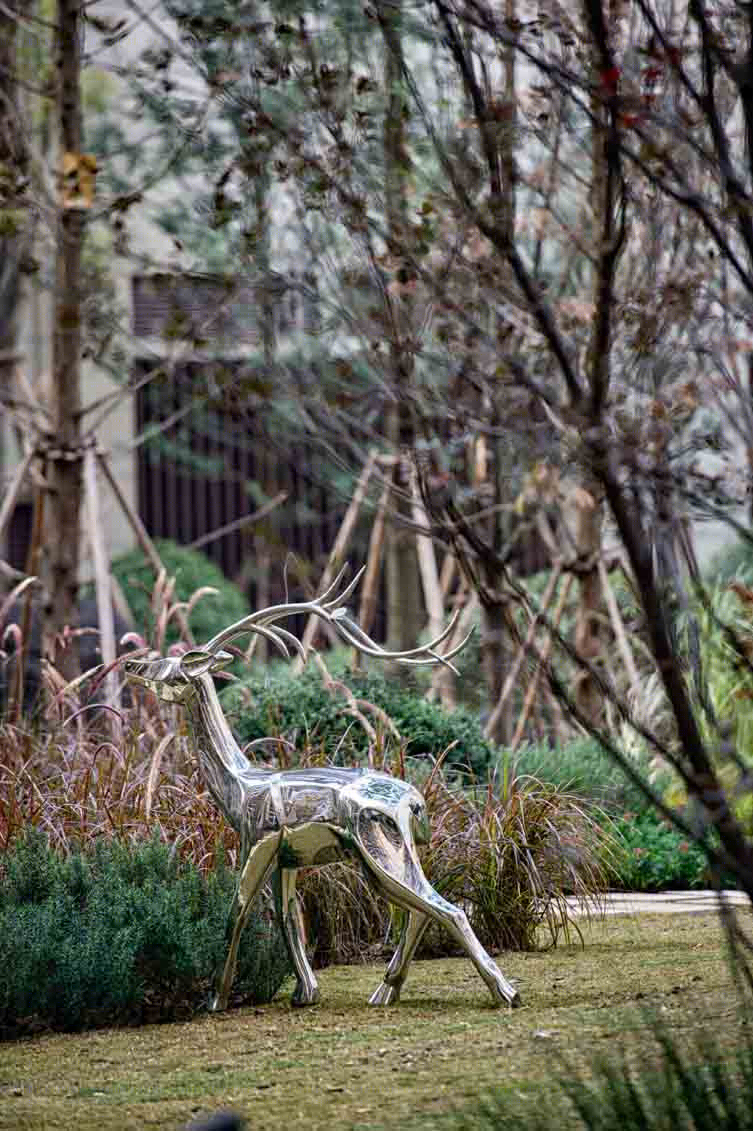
(345, 1065)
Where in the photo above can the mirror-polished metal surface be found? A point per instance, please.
(290, 819)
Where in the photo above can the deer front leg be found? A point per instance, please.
(389, 991)
(258, 865)
(291, 923)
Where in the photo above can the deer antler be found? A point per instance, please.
(330, 608)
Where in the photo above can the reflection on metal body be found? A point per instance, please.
(291, 819)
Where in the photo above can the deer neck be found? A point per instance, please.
(224, 766)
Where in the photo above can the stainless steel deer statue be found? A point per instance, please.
(291, 819)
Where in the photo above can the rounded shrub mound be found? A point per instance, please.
(119, 933)
(309, 716)
(586, 769)
(735, 560)
(192, 570)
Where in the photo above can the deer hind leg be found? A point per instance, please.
(457, 924)
(398, 872)
(291, 923)
(258, 865)
(389, 991)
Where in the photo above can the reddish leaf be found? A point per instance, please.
(610, 78)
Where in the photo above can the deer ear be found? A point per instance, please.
(196, 662)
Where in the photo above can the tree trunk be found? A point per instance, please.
(13, 161)
(581, 519)
(494, 649)
(66, 461)
(404, 606)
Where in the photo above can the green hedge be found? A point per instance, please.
(191, 570)
(304, 712)
(118, 934)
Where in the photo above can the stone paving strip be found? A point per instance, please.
(664, 902)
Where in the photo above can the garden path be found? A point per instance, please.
(664, 902)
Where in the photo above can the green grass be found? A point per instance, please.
(345, 1065)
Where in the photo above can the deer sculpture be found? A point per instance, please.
(291, 819)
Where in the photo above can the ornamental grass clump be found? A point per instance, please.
(511, 853)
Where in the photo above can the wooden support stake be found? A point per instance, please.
(447, 573)
(461, 628)
(337, 553)
(14, 489)
(542, 659)
(105, 613)
(427, 564)
(619, 628)
(523, 650)
(142, 537)
(370, 584)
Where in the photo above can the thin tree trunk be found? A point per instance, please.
(606, 243)
(404, 616)
(493, 642)
(12, 216)
(66, 460)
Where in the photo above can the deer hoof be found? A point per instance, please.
(303, 997)
(505, 995)
(385, 995)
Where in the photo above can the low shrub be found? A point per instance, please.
(192, 571)
(653, 855)
(733, 561)
(119, 933)
(312, 718)
(585, 768)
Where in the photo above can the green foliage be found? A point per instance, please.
(654, 856)
(192, 570)
(118, 933)
(732, 561)
(584, 767)
(304, 712)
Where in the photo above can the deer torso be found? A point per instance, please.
(324, 803)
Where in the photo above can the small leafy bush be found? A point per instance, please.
(192, 571)
(304, 712)
(119, 933)
(652, 855)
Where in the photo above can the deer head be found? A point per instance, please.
(174, 678)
